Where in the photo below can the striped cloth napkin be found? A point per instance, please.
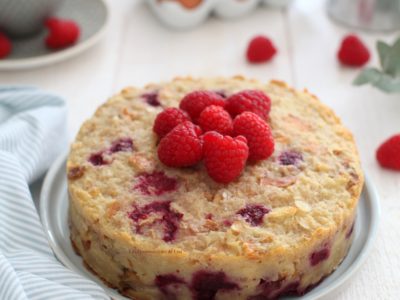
(32, 133)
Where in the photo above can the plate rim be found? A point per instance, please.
(373, 202)
(55, 57)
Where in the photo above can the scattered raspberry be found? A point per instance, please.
(276, 289)
(155, 184)
(5, 46)
(353, 52)
(121, 145)
(388, 154)
(215, 118)
(151, 98)
(253, 213)
(164, 282)
(205, 284)
(195, 102)
(168, 119)
(224, 157)
(290, 157)
(181, 147)
(97, 159)
(258, 135)
(260, 49)
(62, 33)
(270, 287)
(76, 172)
(166, 216)
(249, 100)
(319, 256)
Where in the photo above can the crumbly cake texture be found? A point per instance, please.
(165, 233)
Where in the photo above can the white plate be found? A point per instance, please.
(92, 17)
(54, 215)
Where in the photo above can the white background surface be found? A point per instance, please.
(138, 49)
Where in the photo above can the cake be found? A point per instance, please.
(156, 232)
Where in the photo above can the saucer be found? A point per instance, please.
(31, 52)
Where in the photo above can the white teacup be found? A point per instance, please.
(25, 17)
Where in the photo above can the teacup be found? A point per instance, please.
(20, 18)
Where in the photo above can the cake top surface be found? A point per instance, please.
(307, 187)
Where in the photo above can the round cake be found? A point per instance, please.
(156, 232)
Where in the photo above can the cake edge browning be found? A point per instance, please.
(128, 283)
(135, 276)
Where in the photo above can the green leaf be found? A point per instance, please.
(382, 81)
(388, 84)
(383, 51)
(391, 61)
(387, 79)
(368, 75)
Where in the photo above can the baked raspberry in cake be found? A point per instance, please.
(156, 232)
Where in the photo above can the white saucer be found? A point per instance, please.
(54, 215)
(92, 17)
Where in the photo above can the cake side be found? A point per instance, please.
(310, 187)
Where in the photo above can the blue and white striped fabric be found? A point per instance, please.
(32, 133)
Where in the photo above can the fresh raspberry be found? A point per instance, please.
(249, 100)
(388, 154)
(258, 135)
(168, 119)
(62, 33)
(5, 46)
(260, 49)
(224, 157)
(215, 118)
(353, 52)
(181, 147)
(195, 102)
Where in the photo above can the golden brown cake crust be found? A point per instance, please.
(310, 186)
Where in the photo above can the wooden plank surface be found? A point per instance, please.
(152, 52)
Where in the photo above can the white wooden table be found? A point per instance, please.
(138, 50)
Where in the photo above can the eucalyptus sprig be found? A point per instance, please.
(388, 78)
